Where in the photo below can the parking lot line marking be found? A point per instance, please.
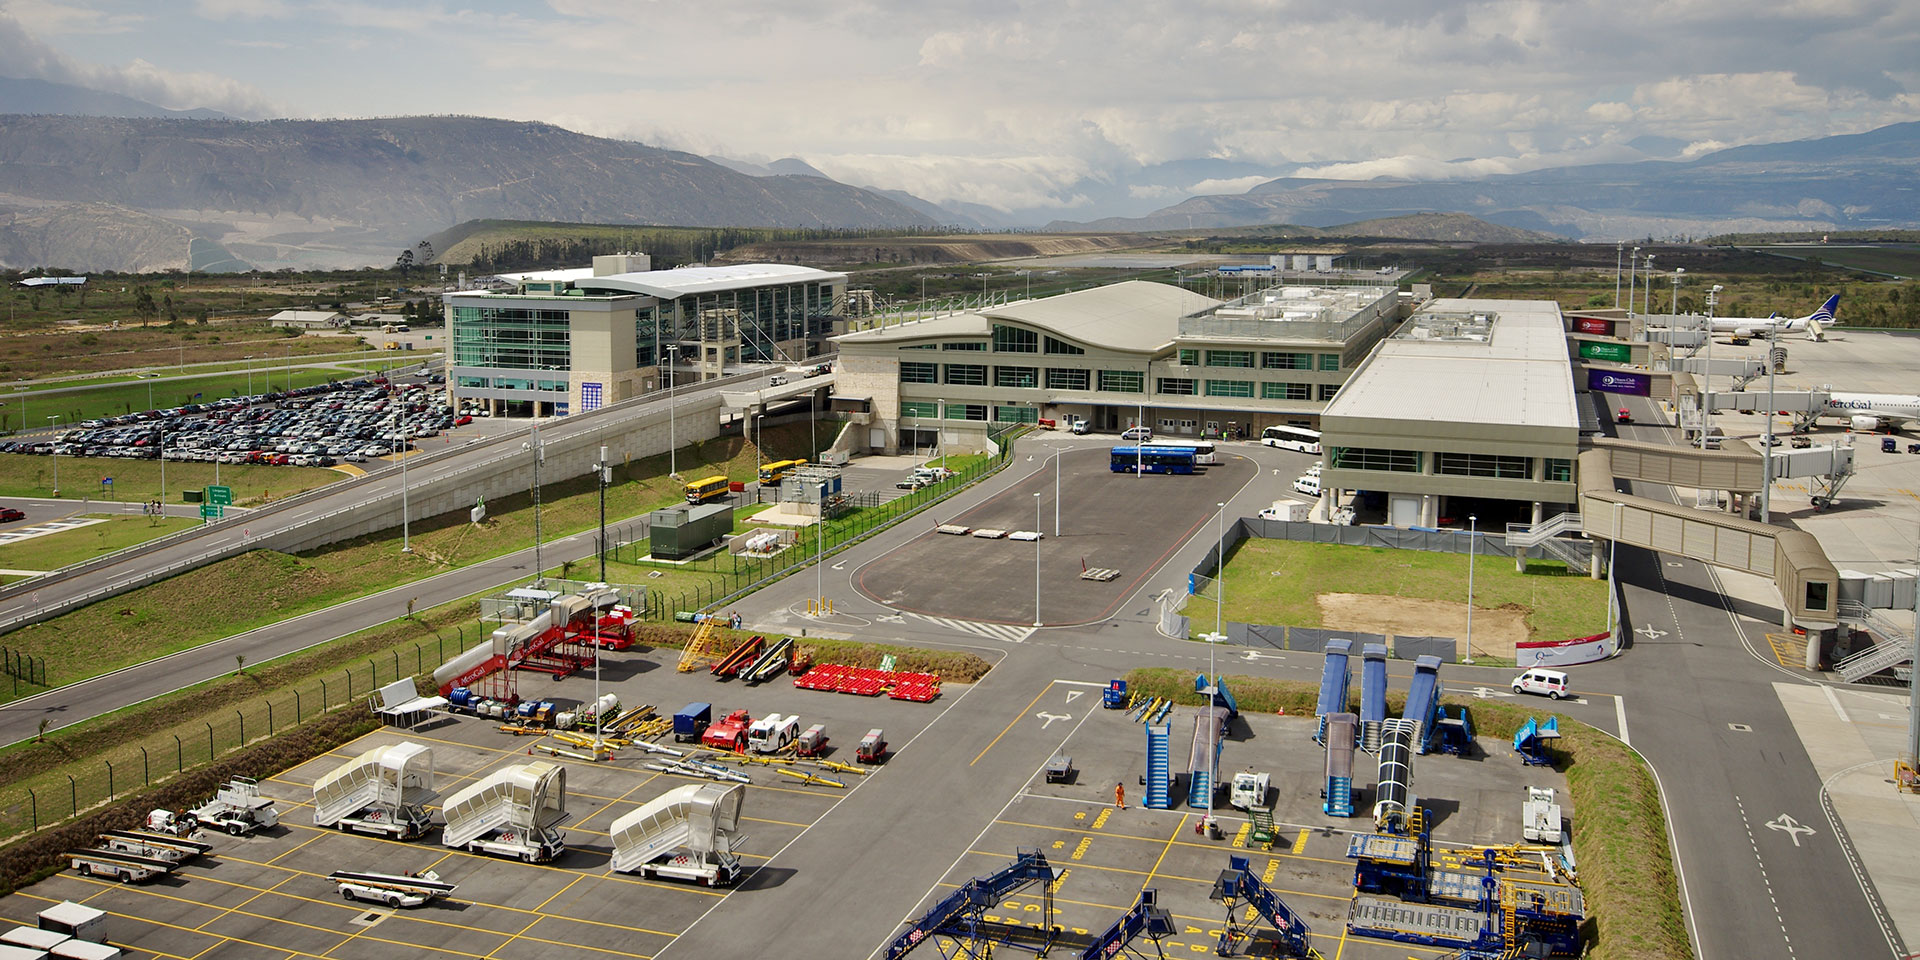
(204, 933)
(303, 843)
(1176, 841)
(1016, 719)
(1299, 843)
(541, 909)
(1171, 840)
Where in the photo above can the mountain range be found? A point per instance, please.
(346, 193)
(1854, 181)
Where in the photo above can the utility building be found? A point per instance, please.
(555, 342)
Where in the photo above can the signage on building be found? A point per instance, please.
(1616, 352)
(1616, 381)
(589, 397)
(1592, 325)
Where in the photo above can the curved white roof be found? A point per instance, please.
(1135, 315)
(673, 284)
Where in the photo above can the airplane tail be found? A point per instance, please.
(1819, 320)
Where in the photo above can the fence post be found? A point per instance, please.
(349, 672)
(269, 716)
(243, 727)
(73, 795)
(325, 701)
(296, 704)
(34, 799)
(109, 764)
(179, 754)
(419, 659)
(396, 664)
(146, 772)
(210, 753)
(442, 641)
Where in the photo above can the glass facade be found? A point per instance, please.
(1015, 340)
(1330, 361)
(1175, 386)
(922, 409)
(1482, 465)
(980, 345)
(1284, 391)
(1122, 381)
(1286, 361)
(1229, 388)
(1015, 415)
(1021, 377)
(513, 338)
(1367, 458)
(1066, 378)
(967, 374)
(1230, 358)
(966, 411)
(1558, 468)
(912, 372)
(1063, 348)
(765, 315)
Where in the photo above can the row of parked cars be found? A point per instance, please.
(316, 426)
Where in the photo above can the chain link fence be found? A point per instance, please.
(24, 668)
(68, 790)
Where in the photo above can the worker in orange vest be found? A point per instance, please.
(1120, 795)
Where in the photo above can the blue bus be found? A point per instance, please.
(1152, 459)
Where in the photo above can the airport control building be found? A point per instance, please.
(1185, 364)
(555, 342)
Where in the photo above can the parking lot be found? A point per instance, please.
(1118, 521)
(268, 896)
(1109, 854)
(317, 426)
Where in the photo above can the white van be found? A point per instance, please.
(1137, 433)
(1551, 684)
(772, 733)
(1309, 484)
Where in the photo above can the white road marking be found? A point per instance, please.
(1620, 717)
(1834, 699)
(1004, 632)
(1789, 826)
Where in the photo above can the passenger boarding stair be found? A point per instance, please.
(1159, 776)
(703, 818)
(395, 775)
(1546, 534)
(515, 796)
(1238, 883)
(1889, 652)
(962, 914)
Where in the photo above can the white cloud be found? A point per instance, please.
(1234, 185)
(242, 9)
(58, 19)
(27, 56)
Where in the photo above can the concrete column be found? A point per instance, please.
(1596, 566)
(1539, 511)
(1814, 639)
(1429, 510)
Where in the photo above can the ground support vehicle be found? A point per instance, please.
(1540, 816)
(812, 741)
(691, 721)
(873, 747)
(513, 812)
(1115, 696)
(1059, 768)
(1249, 790)
(687, 833)
(772, 733)
(115, 865)
(156, 846)
(728, 733)
(238, 808)
(392, 889)
(383, 791)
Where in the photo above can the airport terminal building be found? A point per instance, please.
(1469, 403)
(556, 342)
(1116, 356)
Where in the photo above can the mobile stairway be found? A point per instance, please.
(771, 663)
(1336, 685)
(689, 832)
(1209, 736)
(1373, 694)
(961, 916)
(1394, 800)
(1423, 701)
(524, 804)
(1159, 773)
(1337, 792)
(739, 658)
(1534, 741)
(393, 783)
(1237, 884)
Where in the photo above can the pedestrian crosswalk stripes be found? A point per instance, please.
(1005, 632)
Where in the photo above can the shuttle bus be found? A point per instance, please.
(1152, 459)
(773, 473)
(1203, 453)
(1292, 438)
(707, 490)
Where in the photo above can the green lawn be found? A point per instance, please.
(1277, 581)
(31, 476)
(56, 550)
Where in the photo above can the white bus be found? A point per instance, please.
(1292, 438)
(1203, 453)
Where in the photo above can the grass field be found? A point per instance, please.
(175, 614)
(1902, 259)
(1277, 581)
(31, 476)
(56, 550)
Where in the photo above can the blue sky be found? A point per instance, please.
(1020, 105)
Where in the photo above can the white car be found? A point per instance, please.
(1551, 684)
(1137, 433)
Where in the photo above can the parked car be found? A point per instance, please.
(9, 514)
(1137, 433)
(1551, 684)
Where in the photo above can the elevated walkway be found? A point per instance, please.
(733, 401)
(399, 774)
(528, 797)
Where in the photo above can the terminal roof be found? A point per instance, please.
(1501, 362)
(1136, 315)
(673, 284)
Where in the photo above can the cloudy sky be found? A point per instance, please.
(1052, 107)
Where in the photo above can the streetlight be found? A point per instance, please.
(51, 417)
(249, 359)
(1766, 487)
(1674, 307)
(940, 429)
(673, 443)
(1214, 640)
(1706, 412)
(1473, 543)
(1632, 262)
(1036, 560)
(604, 471)
(1613, 595)
(406, 538)
(1619, 246)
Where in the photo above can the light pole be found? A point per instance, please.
(406, 532)
(1632, 262)
(940, 429)
(1214, 639)
(1674, 307)
(1036, 560)
(1613, 593)
(1646, 302)
(249, 359)
(1473, 544)
(56, 455)
(673, 443)
(1619, 247)
(1706, 412)
(604, 471)
(1056, 488)
(1139, 452)
(1766, 486)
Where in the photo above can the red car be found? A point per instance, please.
(462, 420)
(1624, 416)
(9, 514)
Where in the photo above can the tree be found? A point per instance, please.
(239, 663)
(425, 251)
(404, 262)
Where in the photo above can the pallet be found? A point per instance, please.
(1102, 574)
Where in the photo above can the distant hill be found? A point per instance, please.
(1447, 227)
(796, 167)
(1853, 181)
(343, 193)
(20, 95)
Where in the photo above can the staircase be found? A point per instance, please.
(1887, 653)
(1370, 736)
(1159, 777)
(1262, 831)
(1544, 534)
(494, 811)
(1199, 789)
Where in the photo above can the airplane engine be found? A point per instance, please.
(1865, 423)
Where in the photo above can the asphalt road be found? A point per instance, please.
(20, 601)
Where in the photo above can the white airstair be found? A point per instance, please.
(392, 776)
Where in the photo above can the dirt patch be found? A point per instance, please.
(1495, 630)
